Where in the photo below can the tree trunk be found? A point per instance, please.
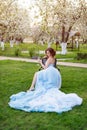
(64, 40)
(67, 37)
(63, 33)
(64, 48)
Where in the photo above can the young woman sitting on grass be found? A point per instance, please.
(44, 94)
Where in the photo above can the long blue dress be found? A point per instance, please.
(46, 97)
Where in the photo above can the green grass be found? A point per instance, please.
(16, 76)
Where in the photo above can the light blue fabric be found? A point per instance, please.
(47, 97)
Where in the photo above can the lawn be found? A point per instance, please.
(16, 76)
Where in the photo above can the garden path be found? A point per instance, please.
(36, 61)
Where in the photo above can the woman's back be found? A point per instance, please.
(50, 61)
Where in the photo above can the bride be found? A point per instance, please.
(44, 94)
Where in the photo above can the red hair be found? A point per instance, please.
(51, 50)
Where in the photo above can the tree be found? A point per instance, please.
(15, 21)
(62, 15)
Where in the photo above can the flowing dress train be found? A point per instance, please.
(46, 97)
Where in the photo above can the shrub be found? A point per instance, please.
(17, 52)
(81, 56)
(33, 52)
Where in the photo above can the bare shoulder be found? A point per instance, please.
(51, 60)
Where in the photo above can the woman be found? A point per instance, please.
(46, 96)
(50, 53)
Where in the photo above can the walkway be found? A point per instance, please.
(35, 61)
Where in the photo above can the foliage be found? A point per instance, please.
(58, 14)
(14, 21)
(17, 76)
(81, 56)
(33, 52)
(17, 52)
(43, 19)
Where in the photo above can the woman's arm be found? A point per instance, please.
(46, 64)
(42, 65)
